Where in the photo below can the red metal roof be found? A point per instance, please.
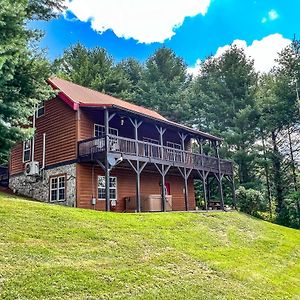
(78, 96)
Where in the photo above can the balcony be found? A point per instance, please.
(94, 149)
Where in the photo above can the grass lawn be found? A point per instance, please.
(54, 252)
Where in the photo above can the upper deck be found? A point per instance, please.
(93, 149)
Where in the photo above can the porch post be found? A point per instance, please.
(204, 177)
(107, 170)
(161, 132)
(136, 125)
(186, 192)
(233, 192)
(138, 187)
(163, 190)
(138, 170)
(182, 137)
(220, 176)
(185, 174)
(163, 172)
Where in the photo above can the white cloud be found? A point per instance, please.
(272, 15)
(264, 51)
(195, 70)
(145, 21)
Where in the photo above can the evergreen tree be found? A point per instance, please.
(23, 72)
(163, 85)
(93, 68)
(223, 103)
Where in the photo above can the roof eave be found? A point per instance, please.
(191, 130)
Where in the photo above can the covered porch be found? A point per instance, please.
(111, 151)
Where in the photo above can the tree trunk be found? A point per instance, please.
(278, 182)
(292, 160)
(267, 175)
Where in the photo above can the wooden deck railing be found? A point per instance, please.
(132, 147)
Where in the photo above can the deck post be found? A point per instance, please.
(203, 176)
(185, 174)
(182, 138)
(163, 172)
(205, 191)
(233, 192)
(161, 132)
(138, 170)
(136, 126)
(107, 170)
(163, 191)
(220, 175)
(138, 187)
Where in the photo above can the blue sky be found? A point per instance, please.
(194, 29)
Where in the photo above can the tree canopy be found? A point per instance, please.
(257, 115)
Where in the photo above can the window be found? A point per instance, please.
(112, 188)
(174, 145)
(40, 111)
(149, 140)
(58, 188)
(26, 150)
(99, 130)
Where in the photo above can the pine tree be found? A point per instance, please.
(223, 103)
(93, 68)
(163, 85)
(22, 71)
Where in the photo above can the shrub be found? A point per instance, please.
(250, 201)
(292, 210)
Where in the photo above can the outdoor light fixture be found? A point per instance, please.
(122, 121)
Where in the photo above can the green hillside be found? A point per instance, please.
(53, 252)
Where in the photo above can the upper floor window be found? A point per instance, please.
(174, 145)
(26, 150)
(149, 140)
(40, 111)
(112, 188)
(99, 130)
(58, 188)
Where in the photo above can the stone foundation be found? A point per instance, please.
(38, 187)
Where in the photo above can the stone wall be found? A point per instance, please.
(38, 187)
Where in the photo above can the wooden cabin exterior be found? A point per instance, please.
(94, 151)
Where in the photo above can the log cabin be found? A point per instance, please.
(91, 150)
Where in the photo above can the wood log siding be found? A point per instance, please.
(126, 187)
(59, 124)
(145, 149)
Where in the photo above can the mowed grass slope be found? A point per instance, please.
(54, 252)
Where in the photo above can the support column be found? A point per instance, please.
(136, 126)
(220, 175)
(203, 176)
(161, 132)
(163, 190)
(182, 137)
(185, 174)
(233, 192)
(138, 170)
(107, 169)
(163, 171)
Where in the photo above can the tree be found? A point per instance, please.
(93, 68)
(223, 103)
(163, 85)
(22, 71)
(132, 70)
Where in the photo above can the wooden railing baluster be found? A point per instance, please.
(145, 149)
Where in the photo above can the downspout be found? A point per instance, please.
(44, 155)
(33, 137)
